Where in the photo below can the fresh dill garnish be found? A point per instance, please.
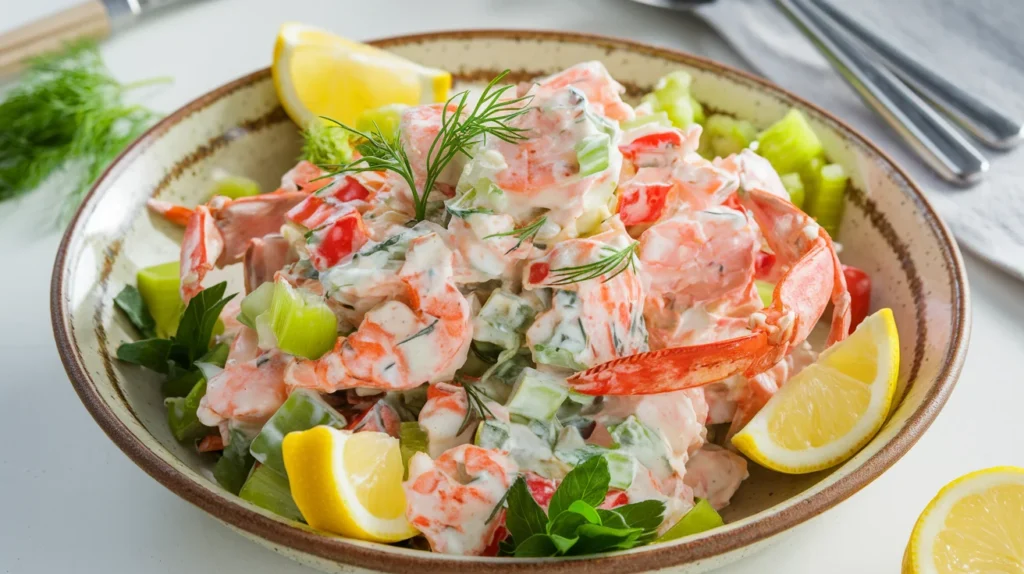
(462, 126)
(476, 405)
(612, 264)
(325, 144)
(524, 233)
(66, 114)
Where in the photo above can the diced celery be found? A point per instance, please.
(830, 199)
(302, 323)
(385, 118)
(682, 112)
(698, 110)
(503, 319)
(233, 466)
(493, 434)
(766, 291)
(235, 186)
(622, 467)
(700, 518)
(592, 153)
(270, 490)
(255, 304)
(795, 186)
(159, 286)
(411, 440)
(181, 414)
(789, 143)
(673, 87)
(660, 118)
(303, 410)
(537, 395)
(724, 135)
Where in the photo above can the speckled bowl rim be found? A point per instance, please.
(401, 560)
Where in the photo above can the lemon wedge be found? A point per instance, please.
(348, 483)
(832, 408)
(319, 74)
(974, 524)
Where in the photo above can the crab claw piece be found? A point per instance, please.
(201, 247)
(176, 214)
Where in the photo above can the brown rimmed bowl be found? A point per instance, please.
(889, 229)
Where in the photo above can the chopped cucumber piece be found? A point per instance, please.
(159, 286)
(411, 440)
(465, 205)
(622, 467)
(660, 118)
(580, 398)
(830, 198)
(235, 186)
(302, 323)
(724, 136)
(182, 417)
(385, 118)
(672, 96)
(497, 381)
(255, 304)
(233, 466)
(556, 357)
(673, 87)
(766, 291)
(572, 449)
(503, 319)
(698, 111)
(493, 434)
(270, 490)
(303, 410)
(649, 448)
(789, 143)
(592, 153)
(795, 186)
(700, 518)
(537, 395)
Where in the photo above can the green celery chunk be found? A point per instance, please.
(233, 466)
(766, 291)
(789, 143)
(303, 410)
(255, 304)
(592, 153)
(235, 186)
(673, 87)
(698, 111)
(270, 490)
(411, 440)
(503, 319)
(830, 199)
(159, 286)
(700, 518)
(303, 324)
(795, 187)
(493, 434)
(724, 135)
(660, 118)
(537, 395)
(182, 417)
(385, 118)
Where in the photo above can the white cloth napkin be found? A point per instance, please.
(974, 43)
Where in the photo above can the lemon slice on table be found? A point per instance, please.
(974, 524)
(348, 483)
(829, 410)
(319, 74)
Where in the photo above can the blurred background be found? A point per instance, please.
(71, 500)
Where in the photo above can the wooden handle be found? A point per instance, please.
(86, 20)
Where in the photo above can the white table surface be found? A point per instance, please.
(70, 501)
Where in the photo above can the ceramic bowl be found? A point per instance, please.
(888, 229)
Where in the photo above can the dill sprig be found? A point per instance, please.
(525, 233)
(476, 405)
(462, 127)
(612, 264)
(66, 114)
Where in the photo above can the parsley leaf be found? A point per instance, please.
(587, 482)
(150, 353)
(199, 318)
(129, 301)
(525, 518)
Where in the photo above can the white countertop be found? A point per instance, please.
(70, 501)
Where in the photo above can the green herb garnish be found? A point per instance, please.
(525, 233)
(67, 114)
(574, 525)
(129, 301)
(461, 129)
(615, 262)
(476, 405)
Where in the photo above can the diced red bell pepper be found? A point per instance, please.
(337, 240)
(314, 211)
(763, 263)
(542, 489)
(643, 202)
(538, 272)
(859, 285)
(656, 142)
